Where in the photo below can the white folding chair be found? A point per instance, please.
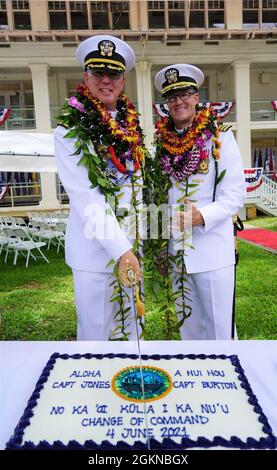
(21, 242)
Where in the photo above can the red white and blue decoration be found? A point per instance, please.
(272, 165)
(258, 158)
(266, 159)
(3, 191)
(222, 108)
(253, 178)
(4, 114)
(274, 105)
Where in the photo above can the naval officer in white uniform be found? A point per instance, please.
(94, 235)
(208, 153)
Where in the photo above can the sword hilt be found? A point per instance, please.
(131, 276)
(137, 300)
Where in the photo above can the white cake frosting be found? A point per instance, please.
(202, 398)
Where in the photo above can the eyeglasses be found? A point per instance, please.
(99, 74)
(184, 96)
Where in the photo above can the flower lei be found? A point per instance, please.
(117, 140)
(182, 153)
(124, 130)
(178, 155)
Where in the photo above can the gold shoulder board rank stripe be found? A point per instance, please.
(224, 127)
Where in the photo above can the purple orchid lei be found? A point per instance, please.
(182, 166)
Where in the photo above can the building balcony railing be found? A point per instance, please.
(21, 118)
(24, 118)
(261, 110)
(29, 194)
(162, 34)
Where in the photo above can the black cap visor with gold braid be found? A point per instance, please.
(183, 82)
(174, 81)
(105, 58)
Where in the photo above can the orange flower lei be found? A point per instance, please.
(177, 144)
(130, 134)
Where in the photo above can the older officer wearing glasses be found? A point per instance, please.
(99, 147)
(201, 163)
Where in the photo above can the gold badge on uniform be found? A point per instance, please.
(204, 166)
(106, 48)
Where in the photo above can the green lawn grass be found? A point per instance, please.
(270, 223)
(37, 303)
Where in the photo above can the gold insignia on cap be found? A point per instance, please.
(106, 48)
(171, 75)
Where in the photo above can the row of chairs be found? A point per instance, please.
(19, 241)
(50, 218)
(18, 237)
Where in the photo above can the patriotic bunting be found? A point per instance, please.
(4, 114)
(222, 108)
(274, 105)
(253, 178)
(266, 161)
(3, 191)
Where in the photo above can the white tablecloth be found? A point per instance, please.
(21, 364)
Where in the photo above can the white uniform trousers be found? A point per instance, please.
(95, 312)
(211, 299)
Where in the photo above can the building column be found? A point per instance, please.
(242, 96)
(233, 14)
(49, 198)
(144, 93)
(39, 15)
(43, 124)
(41, 96)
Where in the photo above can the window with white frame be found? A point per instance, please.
(250, 14)
(187, 14)
(269, 14)
(120, 15)
(3, 15)
(216, 14)
(197, 14)
(176, 15)
(100, 15)
(156, 15)
(110, 15)
(57, 15)
(79, 15)
(21, 14)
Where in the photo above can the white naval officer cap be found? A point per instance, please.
(174, 77)
(105, 52)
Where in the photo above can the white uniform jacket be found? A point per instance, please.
(213, 243)
(82, 252)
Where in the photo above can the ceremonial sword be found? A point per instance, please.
(238, 227)
(132, 278)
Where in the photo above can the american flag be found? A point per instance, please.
(253, 178)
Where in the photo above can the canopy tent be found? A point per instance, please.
(24, 151)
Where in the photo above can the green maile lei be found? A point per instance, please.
(92, 141)
(162, 266)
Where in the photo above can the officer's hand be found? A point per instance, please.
(128, 260)
(192, 216)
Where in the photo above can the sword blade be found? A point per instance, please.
(132, 279)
